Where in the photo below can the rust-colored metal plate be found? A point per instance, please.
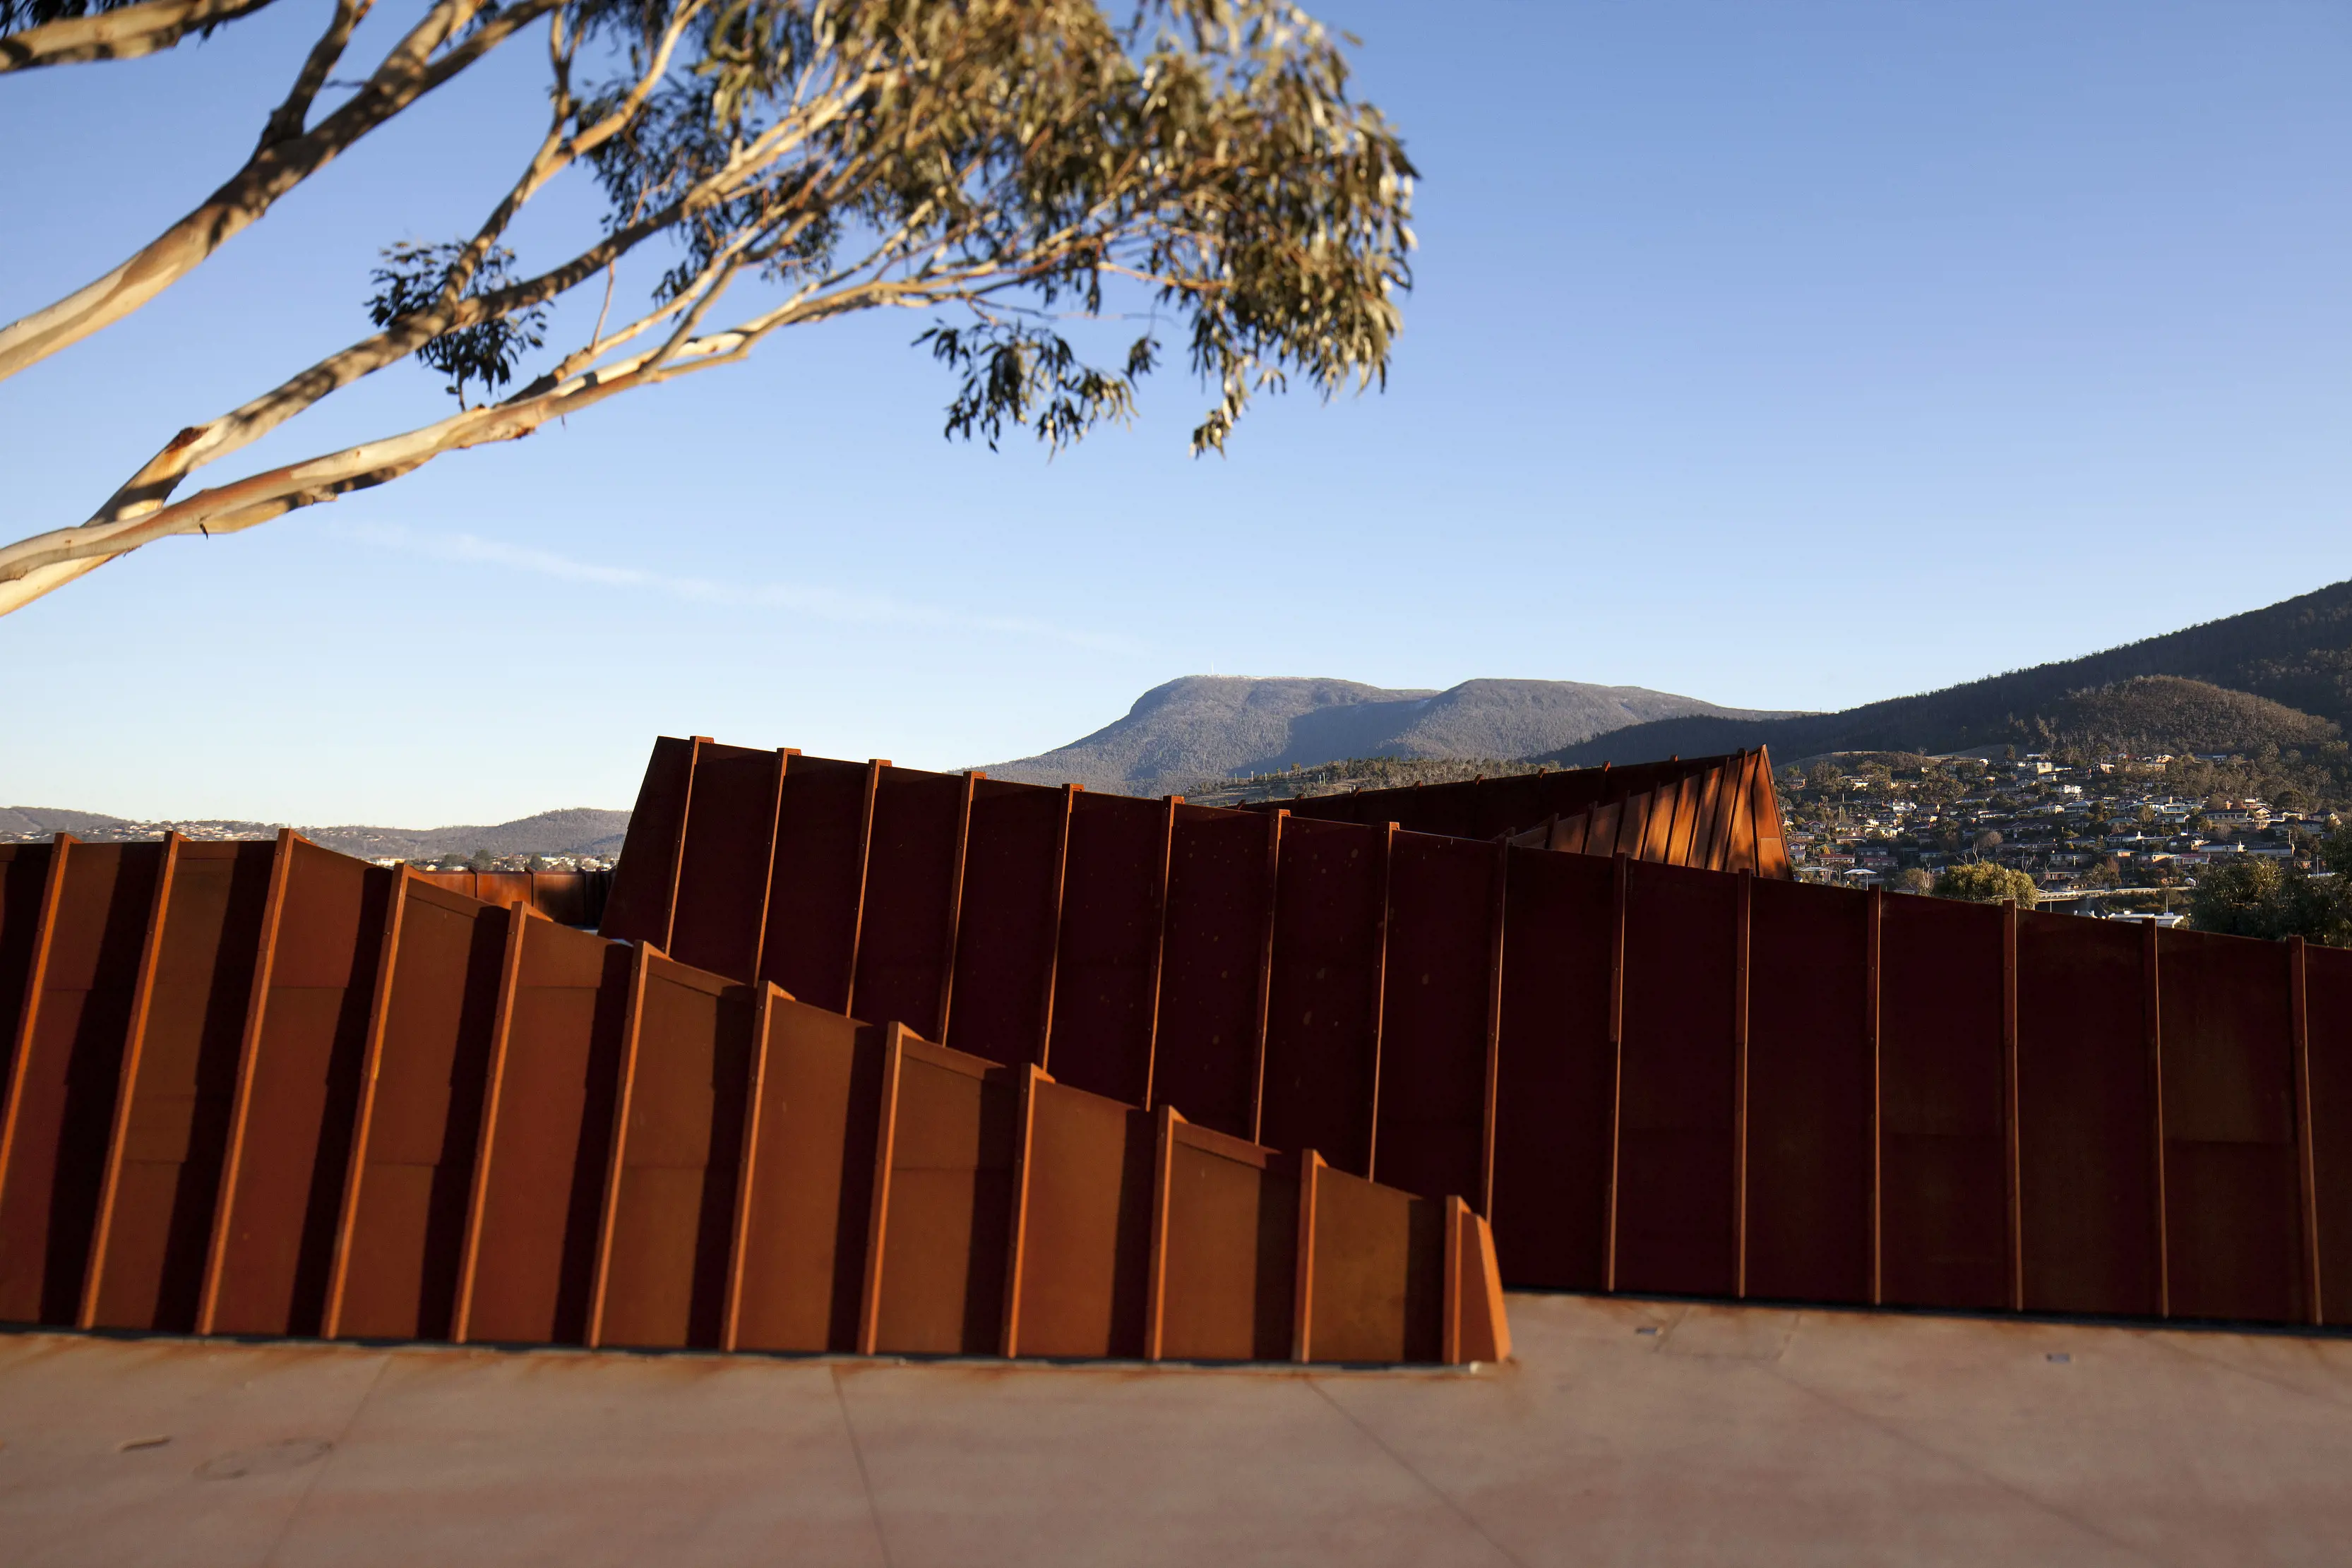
(180, 1091)
(298, 1092)
(1444, 944)
(1810, 1095)
(1083, 1237)
(530, 1261)
(1010, 917)
(1323, 1011)
(1556, 1071)
(816, 888)
(2086, 1129)
(1944, 1149)
(645, 882)
(1106, 967)
(907, 935)
(1678, 1127)
(942, 1213)
(808, 1182)
(24, 877)
(1376, 1283)
(412, 1169)
(58, 1124)
(1227, 1236)
(2232, 1179)
(670, 1220)
(1213, 968)
(2326, 1128)
(724, 860)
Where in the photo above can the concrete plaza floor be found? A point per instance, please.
(1626, 1432)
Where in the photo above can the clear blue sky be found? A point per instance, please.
(1791, 355)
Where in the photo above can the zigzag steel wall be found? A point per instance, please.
(1719, 813)
(266, 1089)
(1651, 1077)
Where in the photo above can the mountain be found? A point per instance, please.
(578, 831)
(40, 821)
(2166, 713)
(2297, 653)
(1219, 726)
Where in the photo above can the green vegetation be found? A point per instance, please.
(2265, 898)
(1982, 882)
(2152, 714)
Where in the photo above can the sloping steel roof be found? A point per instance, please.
(1720, 813)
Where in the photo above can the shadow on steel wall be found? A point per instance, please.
(267, 1089)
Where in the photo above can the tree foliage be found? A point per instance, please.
(2250, 896)
(1982, 882)
(1008, 167)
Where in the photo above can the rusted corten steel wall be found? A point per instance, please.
(567, 897)
(1718, 812)
(1654, 1077)
(266, 1089)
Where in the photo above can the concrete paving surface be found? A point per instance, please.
(1626, 1432)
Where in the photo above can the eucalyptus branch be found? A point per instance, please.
(1008, 158)
(410, 71)
(293, 114)
(124, 34)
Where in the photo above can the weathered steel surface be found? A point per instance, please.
(808, 1180)
(572, 897)
(267, 1089)
(1717, 812)
(179, 1089)
(419, 1117)
(1666, 1069)
(87, 963)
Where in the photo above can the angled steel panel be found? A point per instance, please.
(1379, 1271)
(530, 1250)
(2087, 1118)
(297, 1093)
(1556, 1069)
(676, 1159)
(1433, 1024)
(1676, 1176)
(1230, 1226)
(818, 886)
(1322, 1042)
(1006, 930)
(1106, 972)
(1809, 1093)
(2327, 1029)
(725, 857)
(1084, 1233)
(1943, 1144)
(912, 870)
(645, 882)
(2232, 1188)
(24, 880)
(1211, 1005)
(412, 1171)
(134, 1033)
(808, 1179)
(1475, 1328)
(60, 1116)
(943, 1210)
(179, 1094)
